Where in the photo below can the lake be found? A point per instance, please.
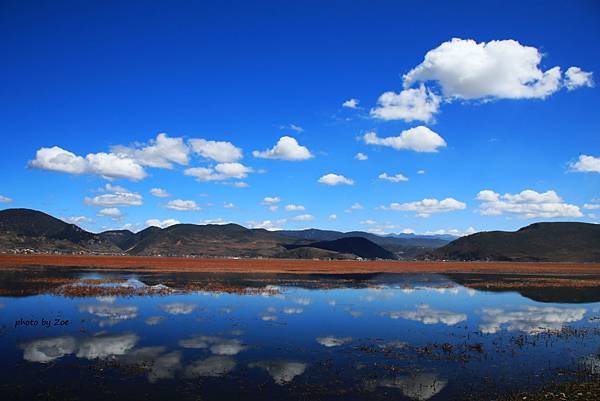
(73, 334)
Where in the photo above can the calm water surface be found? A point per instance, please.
(402, 337)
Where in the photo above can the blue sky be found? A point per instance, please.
(464, 118)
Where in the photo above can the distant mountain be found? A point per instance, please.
(30, 230)
(358, 246)
(208, 240)
(400, 244)
(541, 242)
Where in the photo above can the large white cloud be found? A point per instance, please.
(107, 165)
(586, 164)
(287, 148)
(335, 179)
(465, 69)
(221, 172)
(219, 151)
(115, 196)
(419, 139)
(5, 199)
(575, 78)
(530, 319)
(428, 206)
(160, 152)
(425, 314)
(182, 205)
(526, 204)
(59, 159)
(110, 165)
(418, 104)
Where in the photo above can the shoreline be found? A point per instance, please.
(290, 266)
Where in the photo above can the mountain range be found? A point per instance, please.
(31, 231)
(538, 242)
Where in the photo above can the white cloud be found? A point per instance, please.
(529, 319)
(5, 199)
(97, 347)
(409, 105)
(160, 193)
(304, 217)
(46, 350)
(393, 178)
(421, 172)
(216, 345)
(58, 159)
(452, 231)
(428, 206)
(418, 139)
(527, 204)
(592, 206)
(271, 200)
(361, 156)
(293, 127)
(332, 341)
(182, 205)
(178, 308)
(160, 152)
(282, 372)
(586, 164)
(287, 148)
(107, 165)
(335, 179)
(294, 208)
(112, 212)
(122, 162)
(161, 223)
(229, 205)
(104, 346)
(575, 78)
(117, 196)
(465, 69)
(351, 103)
(77, 219)
(219, 151)
(221, 172)
(271, 225)
(110, 165)
(114, 313)
(356, 206)
(332, 217)
(426, 315)
(368, 222)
